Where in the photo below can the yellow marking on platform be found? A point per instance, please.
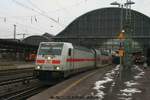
(74, 84)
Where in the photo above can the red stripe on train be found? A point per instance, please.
(55, 61)
(68, 60)
(79, 60)
(40, 61)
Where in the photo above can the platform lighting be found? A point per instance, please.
(123, 31)
(115, 3)
(129, 3)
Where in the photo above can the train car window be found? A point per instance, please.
(69, 52)
(83, 49)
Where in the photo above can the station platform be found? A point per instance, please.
(109, 83)
(4, 65)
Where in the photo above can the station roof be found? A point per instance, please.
(36, 39)
(101, 25)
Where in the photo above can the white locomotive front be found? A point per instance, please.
(56, 60)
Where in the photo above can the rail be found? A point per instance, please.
(23, 93)
(20, 79)
(15, 71)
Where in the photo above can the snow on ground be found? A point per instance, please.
(130, 86)
(137, 68)
(113, 84)
(131, 90)
(139, 75)
(131, 83)
(122, 98)
(126, 94)
(109, 77)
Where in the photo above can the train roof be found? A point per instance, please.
(56, 42)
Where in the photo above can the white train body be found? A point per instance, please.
(61, 59)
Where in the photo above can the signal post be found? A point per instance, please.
(121, 50)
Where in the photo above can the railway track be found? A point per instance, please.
(18, 91)
(17, 80)
(15, 71)
(9, 75)
(20, 88)
(23, 93)
(18, 84)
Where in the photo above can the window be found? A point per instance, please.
(50, 49)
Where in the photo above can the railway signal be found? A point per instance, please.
(121, 52)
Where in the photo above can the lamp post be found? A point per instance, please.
(127, 6)
(128, 41)
(121, 30)
(14, 32)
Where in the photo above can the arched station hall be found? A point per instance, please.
(100, 28)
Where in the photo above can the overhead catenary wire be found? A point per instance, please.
(11, 20)
(35, 6)
(36, 9)
(32, 18)
(66, 7)
(18, 23)
(67, 12)
(39, 12)
(26, 26)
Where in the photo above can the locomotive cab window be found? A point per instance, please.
(50, 49)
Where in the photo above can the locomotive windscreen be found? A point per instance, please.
(50, 49)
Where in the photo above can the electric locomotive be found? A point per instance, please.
(60, 59)
(57, 60)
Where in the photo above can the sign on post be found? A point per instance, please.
(121, 52)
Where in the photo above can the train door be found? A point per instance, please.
(148, 56)
(95, 57)
(70, 57)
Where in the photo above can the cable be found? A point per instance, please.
(31, 27)
(25, 6)
(63, 8)
(16, 21)
(39, 11)
(16, 17)
(67, 12)
(35, 6)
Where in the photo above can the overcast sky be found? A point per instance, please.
(35, 17)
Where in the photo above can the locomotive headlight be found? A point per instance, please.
(38, 67)
(49, 58)
(57, 67)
